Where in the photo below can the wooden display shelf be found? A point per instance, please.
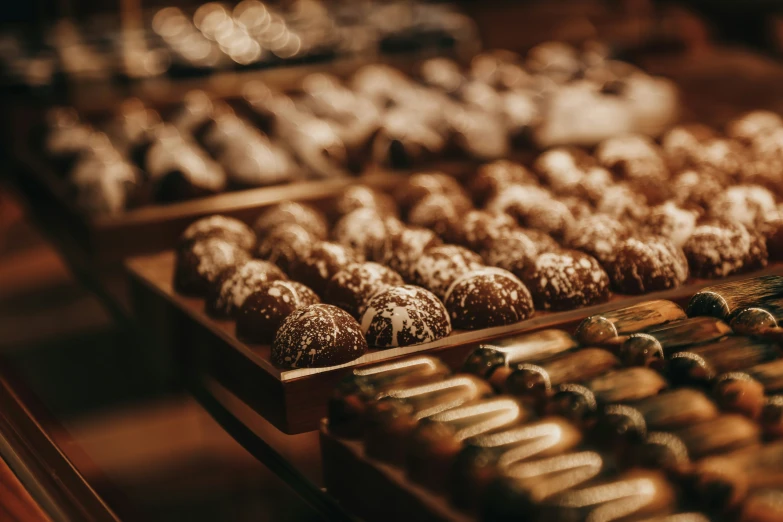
(294, 401)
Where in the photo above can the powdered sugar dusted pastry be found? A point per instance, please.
(440, 265)
(487, 297)
(351, 287)
(364, 230)
(598, 235)
(566, 280)
(563, 167)
(721, 248)
(265, 309)
(403, 250)
(439, 212)
(672, 221)
(693, 188)
(419, 186)
(649, 264)
(285, 245)
(681, 144)
(301, 214)
(479, 226)
(623, 203)
(745, 204)
(232, 287)
(492, 178)
(513, 251)
(201, 262)
(316, 336)
(403, 316)
(322, 263)
(229, 229)
(361, 196)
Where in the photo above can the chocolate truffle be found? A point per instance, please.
(518, 200)
(405, 141)
(364, 230)
(682, 143)
(493, 178)
(264, 310)
(617, 154)
(419, 186)
(351, 287)
(403, 316)
(598, 235)
(547, 215)
(316, 336)
(439, 266)
(439, 212)
(722, 156)
(566, 280)
(623, 203)
(744, 204)
(721, 248)
(562, 167)
(645, 265)
(543, 241)
(200, 263)
(487, 297)
(285, 245)
(322, 263)
(694, 188)
(221, 227)
(291, 212)
(751, 125)
(232, 287)
(672, 221)
(361, 196)
(403, 250)
(513, 251)
(480, 226)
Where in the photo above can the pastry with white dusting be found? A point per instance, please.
(566, 280)
(200, 263)
(681, 144)
(265, 309)
(362, 196)
(285, 245)
(440, 265)
(352, 287)
(316, 336)
(598, 235)
(648, 264)
(695, 188)
(222, 227)
(745, 204)
(419, 186)
(622, 202)
(322, 263)
(671, 221)
(226, 295)
(487, 297)
(562, 168)
(752, 125)
(403, 250)
(440, 213)
(492, 178)
(480, 226)
(301, 214)
(514, 251)
(365, 230)
(722, 156)
(722, 248)
(404, 316)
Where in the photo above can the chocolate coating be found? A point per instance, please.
(231, 288)
(264, 310)
(403, 316)
(440, 213)
(221, 227)
(419, 186)
(403, 250)
(351, 287)
(693, 188)
(487, 297)
(672, 221)
(285, 245)
(494, 177)
(321, 264)
(647, 264)
(361, 196)
(478, 227)
(598, 235)
(316, 336)
(440, 265)
(682, 143)
(719, 249)
(566, 280)
(364, 230)
(291, 212)
(200, 263)
(513, 251)
(744, 204)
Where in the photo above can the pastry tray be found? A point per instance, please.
(294, 401)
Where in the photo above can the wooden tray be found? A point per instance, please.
(295, 400)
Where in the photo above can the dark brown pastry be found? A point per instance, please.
(487, 297)
(562, 168)
(264, 310)
(622, 202)
(403, 316)
(566, 280)
(321, 264)
(365, 231)
(518, 201)
(419, 186)
(285, 245)
(743, 204)
(361, 196)
(200, 263)
(694, 188)
(403, 250)
(221, 227)
(231, 288)
(682, 144)
(494, 177)
(316, 336)
(301, 214)
(479, 227)
(440, 213)
(543, 241)
(440, 265)
(649, 264)
(672, 221)
(513, 251)
(723, 157)
(352, 287)
(598, 235)
(721, 248)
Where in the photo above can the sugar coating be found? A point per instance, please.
(479, 226)
(353, 286)
(438, 212)
(362, 230)
(403, 316)
(745, 204)
(440, 265)
(324, 260)
(623, 203)
(513, 251)
(403, 250)
(722, 248)
(200, 263)
(487, 297)
(265, 309)
(565, 280)
(547, 215)
(291, 212)
(234, 285)
(316, 336)
(286, 245)
(597, 235)
(671, 221)
(694, 188)
(647, 265)
(229, 229)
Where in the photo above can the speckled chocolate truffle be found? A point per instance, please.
(200, 263)
(301, 214)
(364, 230)
(319, 266)
(479, 226)
(648, 264)
(513, 251)
(745, 204)
(361, 196)
(264, 310)
(403, 250)
(351, 287)
(721, 248)
(403, 316)
(419, 186)
(221, 227)
(671, 221)
(316, 336)
(232, 287)
(566, 280)
(597, 235)
(623, 203)
(494, 177)
(562, 167)
(620, 153)
(285, 245)
(723, 156)
(439, 266)
(487, 297)
(591, 186)
(682, 143)
(694, 188)
(547, 215)
(439, 212)
(543, 241)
